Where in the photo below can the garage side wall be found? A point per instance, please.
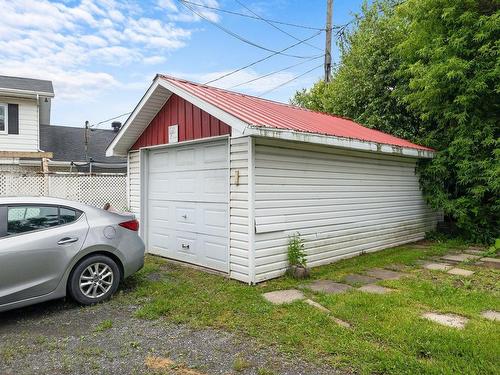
(239, 211)
(134, 183)
(341, 202)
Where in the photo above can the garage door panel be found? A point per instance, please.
(186, 248)
(215, 251)
(188, 204)
(215, 156)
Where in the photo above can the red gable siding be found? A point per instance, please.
(193, 124)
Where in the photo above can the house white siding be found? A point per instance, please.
(134, 183)
(27, 139)
(239, 266)
(341, 202)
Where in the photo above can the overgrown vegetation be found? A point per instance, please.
(429, 71)
(296, 253)
(388, 336)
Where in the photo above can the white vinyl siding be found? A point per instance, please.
(342, 203)
(27, 139)
(239, 219)
(134, 183)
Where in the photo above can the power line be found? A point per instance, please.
(250, 16)
(110, 119)
(290, 80)
(263, 59)
(239, 37)
(275, 72)
(274, 26)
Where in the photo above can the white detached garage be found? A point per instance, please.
(221, 180)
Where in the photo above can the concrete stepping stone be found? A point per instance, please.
(317, 305)
(458, 258)
(395, 267)
(437, 266)
(382, 274)
(449, 320)
(375, 289)
(340, 322)
(491, 262)
(491, 315)
(355, 279)
(322, 308)
(474, 252)
(328, 287)
(284, 296)
(476, 248)
(460, 272)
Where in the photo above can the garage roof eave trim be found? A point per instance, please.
(348, 143)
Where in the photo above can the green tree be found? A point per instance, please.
(363, 84)
(429, 71)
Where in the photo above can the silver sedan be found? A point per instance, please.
(51, 247)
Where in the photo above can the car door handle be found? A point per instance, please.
(66, 240)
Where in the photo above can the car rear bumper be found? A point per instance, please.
(135, 260)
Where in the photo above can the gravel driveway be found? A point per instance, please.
(59, 337)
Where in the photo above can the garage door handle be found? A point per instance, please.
(66, 240)
(184, 246)
(185, 216)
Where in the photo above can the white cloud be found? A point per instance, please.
(78, 44)
(153, 60)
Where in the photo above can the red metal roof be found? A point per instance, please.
(266, 113)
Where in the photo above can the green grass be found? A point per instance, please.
(387, 335)
(104, 326)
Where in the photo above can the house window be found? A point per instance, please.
(3, 118)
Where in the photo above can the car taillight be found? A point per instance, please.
(131, 224)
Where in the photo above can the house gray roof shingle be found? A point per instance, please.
(68, 144)
(26, 84)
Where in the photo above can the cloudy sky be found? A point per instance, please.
(101, 55)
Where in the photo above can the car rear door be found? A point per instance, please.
(37, 244)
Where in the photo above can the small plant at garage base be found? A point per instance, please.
(297, 262)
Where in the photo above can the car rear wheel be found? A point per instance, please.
(94, 279)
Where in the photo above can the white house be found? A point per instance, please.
(221, 180)
(24, 104)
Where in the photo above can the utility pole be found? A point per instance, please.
(328, 45)
(86, 140)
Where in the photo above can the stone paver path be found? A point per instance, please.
(460, 272)
(375, 289)
(355, 279)
(328, 286)
(284, 296)
(437, 266)
(491, 315)
(449, 320)
(382, 274)
(458, 258)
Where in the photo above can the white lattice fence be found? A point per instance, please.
(95, 190)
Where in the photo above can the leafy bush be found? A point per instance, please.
(296, 253)
(428, 71)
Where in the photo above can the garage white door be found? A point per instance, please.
(188, 203)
